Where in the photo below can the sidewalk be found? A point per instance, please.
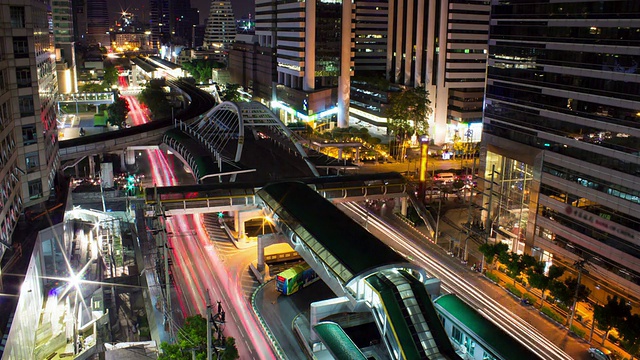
(451, 235)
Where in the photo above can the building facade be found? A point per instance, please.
(561, 130)
(220, 30)
(28, 129)
(98, 22)
(312, 43)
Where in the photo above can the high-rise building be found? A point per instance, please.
(442, 46)
(220, 29)
(63, 38)
(561, 130)
(312, 43)
(97, 22)
(28, 136)
(172, 22)
(79, 12)
(159, 20)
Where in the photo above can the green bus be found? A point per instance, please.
(291, 280)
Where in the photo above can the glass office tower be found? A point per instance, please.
(562, 136)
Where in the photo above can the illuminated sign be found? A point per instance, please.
(603, 224)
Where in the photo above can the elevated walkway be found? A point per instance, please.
(349, 260)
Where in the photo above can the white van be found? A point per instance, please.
(446, 177)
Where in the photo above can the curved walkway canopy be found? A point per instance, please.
(222, 129)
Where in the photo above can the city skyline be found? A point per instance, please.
(241, 8)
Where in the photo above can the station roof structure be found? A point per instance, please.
(349, 249)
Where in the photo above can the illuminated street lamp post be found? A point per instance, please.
(424, 163)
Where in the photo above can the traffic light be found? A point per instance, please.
(220, 215)
(131, 185)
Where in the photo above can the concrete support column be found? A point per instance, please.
(344, 81)
(403, 206)
(97, 108)
(130, 157)
(77, 170)
(358, 154)
(236, 219)
(123, 165)
(260, 253)
(339, 153)
(310, 47)
(92, 166)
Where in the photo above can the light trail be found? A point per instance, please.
(512, 324)
(200, 264)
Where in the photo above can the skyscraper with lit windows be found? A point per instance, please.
(561, 136)
(28, 128)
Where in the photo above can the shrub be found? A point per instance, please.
(532, 299)
(514, 290)
(577, 331)
(493, 277)
(552, 314)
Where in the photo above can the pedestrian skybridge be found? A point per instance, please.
(359, 267)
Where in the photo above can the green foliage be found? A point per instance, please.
(576, 330)
(565, 291)
(230, 93)
(110, 77)
(515, 263)
(92, 88)
(514, 290)
(491, 250)
(202, 69)
(193, 335)
(612, 315)
(407, 113)
(538, 279)
(117, 112)
(532, 299)
(493, 277)
(552, 314)
(154, 97)
(630, 332)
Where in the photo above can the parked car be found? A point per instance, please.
(446, 178)
(600, 353)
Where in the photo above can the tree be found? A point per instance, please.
(231, 93)
(110, 77)
(611, 315)
(516, 263)
(565, 291)
(154, 97)
(630, 331)
(117, 112)
(538, 279)
(201, 69)
(92, 88)
(231, 351)
(192, 337)
(491, 250)
(407, 112)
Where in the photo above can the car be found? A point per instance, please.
(600, 353)
(445, 177)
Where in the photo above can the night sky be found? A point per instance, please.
(241, 8)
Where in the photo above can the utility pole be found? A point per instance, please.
(579, 265)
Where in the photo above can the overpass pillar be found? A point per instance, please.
(403, 206)
(238, 224)
(339, 153)
(97, 108)
(77, 170)
(261, 253)
(92, 166)
(123, 165)
(130, 157)
(357, 154)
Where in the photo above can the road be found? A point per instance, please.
(200, 277)
(489, 300)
